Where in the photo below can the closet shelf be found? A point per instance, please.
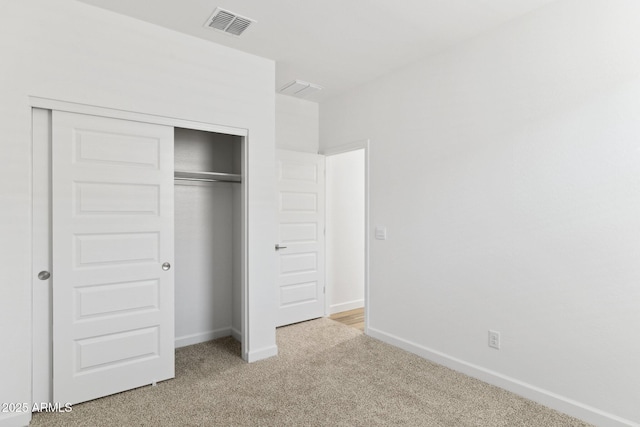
(207, 176)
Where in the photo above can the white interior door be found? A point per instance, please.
(301, 290)
(112, 208)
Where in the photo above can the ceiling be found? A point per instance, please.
(338, 44)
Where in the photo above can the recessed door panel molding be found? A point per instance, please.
(298, 202)
(305, 232)
(116, 248)
(128, 149)
(298, 263)
(117, 199)
(299, 293)
(300, 236)
(116, 298)
(116, 349)
(298, 171)
(112, 210)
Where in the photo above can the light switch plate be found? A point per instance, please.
(381, 233)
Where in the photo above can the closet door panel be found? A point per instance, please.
(113, 309)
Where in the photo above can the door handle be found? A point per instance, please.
(278, 247)
(166, 266)
(44, 275)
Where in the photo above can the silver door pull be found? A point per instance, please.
(278, 247)
(166, 266)
(44, 275)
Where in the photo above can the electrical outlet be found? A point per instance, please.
(494, 339)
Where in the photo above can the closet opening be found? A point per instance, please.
(140, 227)
(208, 237)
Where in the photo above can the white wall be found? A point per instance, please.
(297, 124)
(204, 262)
(345, 230)
(66, 50)
(507, 171)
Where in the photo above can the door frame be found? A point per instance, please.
(345, 148)
(41, 199)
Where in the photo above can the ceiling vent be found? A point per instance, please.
(300, 88)
(228, 22)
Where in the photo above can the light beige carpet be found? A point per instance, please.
(327, 374)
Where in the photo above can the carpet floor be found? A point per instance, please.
(326, 374)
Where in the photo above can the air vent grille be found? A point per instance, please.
(228, 22)
(238, 26)
(300, 88)
(222, 20)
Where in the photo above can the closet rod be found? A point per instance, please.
(206, 176)
(206, 180)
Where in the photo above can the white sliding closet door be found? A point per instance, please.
(301, 215)
(113, 308)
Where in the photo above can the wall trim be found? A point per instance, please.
(263, 353)
(201, 337)
(346, 306)
(552, 400)
(74, 107)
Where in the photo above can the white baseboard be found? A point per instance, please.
(192, 339)
(236, 334)
(346, 306)
(552, 400)
(263, 353)
(18, 419)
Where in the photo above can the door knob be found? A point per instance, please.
(166, 266)
(278, 247)
(44, 275)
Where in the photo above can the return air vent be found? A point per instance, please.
(300, 88)
(228, 22)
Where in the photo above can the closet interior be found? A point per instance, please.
(208, 235)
